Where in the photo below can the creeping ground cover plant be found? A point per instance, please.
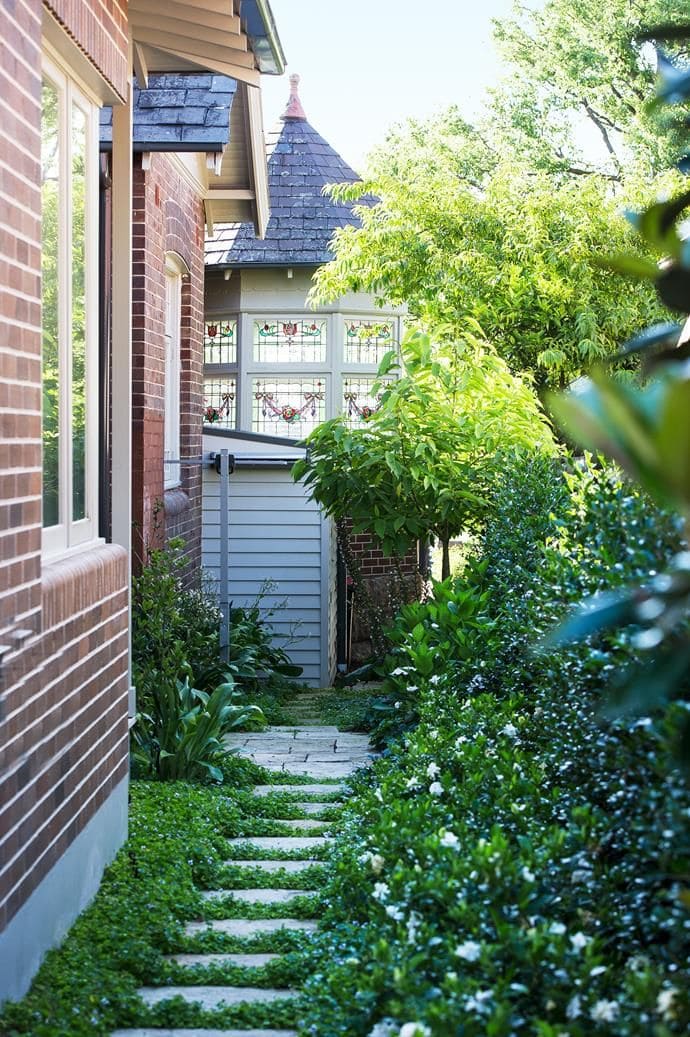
(514, 864)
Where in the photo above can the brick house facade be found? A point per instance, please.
(65, 696)
(168, 217)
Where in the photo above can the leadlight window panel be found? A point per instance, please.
(367, 341)
(220, 401)
(69, 202)
(287, 340)
(359, 402)
(289, 407)
(220, 340)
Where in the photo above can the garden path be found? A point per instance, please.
(279, 866)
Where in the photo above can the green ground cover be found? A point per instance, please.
(177, 843)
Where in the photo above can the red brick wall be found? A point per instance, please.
(64, 721)
(20, 303)
(99, 27)
(63, 674)
(374, 562)
(168, 217)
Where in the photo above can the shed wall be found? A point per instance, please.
(279, 547)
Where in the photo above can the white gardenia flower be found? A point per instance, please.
(527, 875)
(470, 950)
(477, 1002)
(509, 730)
(579, 940)
(377, 863)
(557, 928)
(399, 671)
(413, 924)
(665, 1003)
(379, 795)
(381, 890)
(414, 1030)
(574, 1008)
(394, 912)
(436, 788)
(605, 1011)
(433, 770)
(450, 839)
(386, 1028)
(413, 783)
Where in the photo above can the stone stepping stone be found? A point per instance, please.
(151, 1032)
(304, 824)
(248, 961)
(292, 867)
(259, 896)
(300, 790)
(314, 808)
(332, 769)
(215, 996)
(250, 926)
(280, 842)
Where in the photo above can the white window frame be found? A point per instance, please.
(175, 271)
(69, 535)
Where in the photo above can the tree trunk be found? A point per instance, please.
(445, 563)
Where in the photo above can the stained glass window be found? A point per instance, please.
(220, 341)
(289, 407)
(220, 395)
(359, 403)
(367, 341)
(289, 341)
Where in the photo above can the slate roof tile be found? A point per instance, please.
(192, 109)
(303, 219)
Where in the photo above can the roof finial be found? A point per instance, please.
(294, 108)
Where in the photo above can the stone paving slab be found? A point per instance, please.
(250, 961)
(335, 769)
(304, 824)
(250, 926)
(151, 1032)
(314, 808)
(259, 896)
(292, 867)
(280, 842)
(215, 996)
(300, 790)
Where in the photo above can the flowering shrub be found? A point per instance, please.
(515, 865)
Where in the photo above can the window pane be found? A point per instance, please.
(289, 407)
(78, 323)
(220, 341)
(50, 199)
(366, 341)
(219, 401)
(358, 401)
(288, 341)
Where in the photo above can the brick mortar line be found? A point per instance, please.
(70, 822)
(61, 704)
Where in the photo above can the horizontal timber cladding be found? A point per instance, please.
(278, 543)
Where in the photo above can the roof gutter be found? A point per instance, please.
(259, 25)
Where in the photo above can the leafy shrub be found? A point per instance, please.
(182, 738)
(188, 698)
(515, 866)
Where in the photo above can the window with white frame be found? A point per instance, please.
(69, 205)
(175, 270)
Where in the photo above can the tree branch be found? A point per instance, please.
(594, 116)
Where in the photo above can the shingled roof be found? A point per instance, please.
(303, 219)
(178, 112)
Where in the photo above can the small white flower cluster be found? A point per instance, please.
(470, 950)
(414, 1030)
(449, 839)
(376, 861)
(381, 891)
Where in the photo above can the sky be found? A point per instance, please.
(369, 64)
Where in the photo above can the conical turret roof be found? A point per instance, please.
(303, 219)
